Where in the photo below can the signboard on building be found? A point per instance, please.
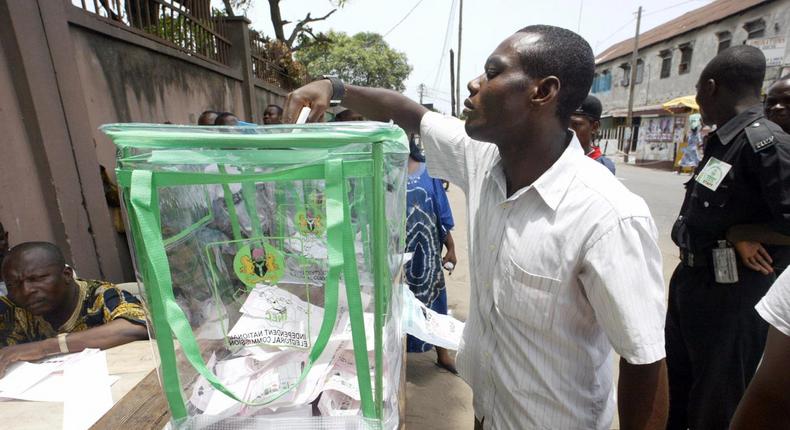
(773, 48)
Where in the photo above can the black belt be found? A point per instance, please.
(692, 259)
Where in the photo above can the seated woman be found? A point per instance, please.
(49, 312)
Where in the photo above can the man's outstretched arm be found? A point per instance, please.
(114, 333)
(642, 395)
(373, 103)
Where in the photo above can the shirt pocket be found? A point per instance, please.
(527, 297)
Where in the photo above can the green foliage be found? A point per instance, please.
(362, 59)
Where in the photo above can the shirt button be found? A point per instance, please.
(492, 247)
(706, 204)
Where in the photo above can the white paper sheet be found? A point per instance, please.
(427, 325)
(88, 384)
(22, 378)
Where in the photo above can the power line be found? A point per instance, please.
(614, 33)
(446, 43)
(403, 19)
(670, 7)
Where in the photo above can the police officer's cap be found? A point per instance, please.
(591, 107)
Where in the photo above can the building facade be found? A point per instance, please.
(670, 60)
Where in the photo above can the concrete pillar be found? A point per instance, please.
(238, 33)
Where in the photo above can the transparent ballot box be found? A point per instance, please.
(269, 259)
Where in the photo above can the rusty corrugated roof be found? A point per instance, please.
(697, 18)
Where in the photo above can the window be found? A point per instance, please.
(626, 79)
(640, 71)
(666, 63)
(755, 29)
(685, 58)
(725, 40)
(602, 82)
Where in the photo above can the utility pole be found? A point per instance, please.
(452, 83)
(421, 91)
(458, 73)
(629, 121)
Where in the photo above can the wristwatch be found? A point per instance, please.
(338, 90)
(64, 347)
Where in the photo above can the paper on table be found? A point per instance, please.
(23, 375)
(88, 385)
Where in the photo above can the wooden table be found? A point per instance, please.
(132, 363)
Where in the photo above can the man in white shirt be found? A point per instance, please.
(766, 403)
(565, 263)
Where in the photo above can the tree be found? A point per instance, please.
(362, 59)
(302, 31)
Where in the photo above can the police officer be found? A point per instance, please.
(714, 336)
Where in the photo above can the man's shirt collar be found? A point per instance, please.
(731, 128)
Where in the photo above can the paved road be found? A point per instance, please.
(436, 399)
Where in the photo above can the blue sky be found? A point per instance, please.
(486, 23)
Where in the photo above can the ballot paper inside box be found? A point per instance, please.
(269, 258)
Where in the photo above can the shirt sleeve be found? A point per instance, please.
(775, 306)
(773, 173)
(443, 205)
(19, 326)
(622, 275)
(116, 303)
(449, 151)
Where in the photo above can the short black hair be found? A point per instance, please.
(52, 252)
(566, 55)
(783, 78)
(740, 69)
(277, 107)
(222, 117)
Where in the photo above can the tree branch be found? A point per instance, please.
(228, 8)
(301, 25)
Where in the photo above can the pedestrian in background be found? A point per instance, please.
(585, 122)
(429, 220)
(737, 204)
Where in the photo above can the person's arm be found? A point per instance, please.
(642, 395)
(449, 243)
(114, 333)
(374, 103)
(766, 403)
(748, 240)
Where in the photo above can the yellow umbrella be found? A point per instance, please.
(685, 102)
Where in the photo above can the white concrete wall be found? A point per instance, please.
(653, 90)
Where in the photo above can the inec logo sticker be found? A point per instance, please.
(713, 174)
(259, 263)
(310, 221)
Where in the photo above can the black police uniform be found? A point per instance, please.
(714, 336)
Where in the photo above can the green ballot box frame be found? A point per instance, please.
(320, 152)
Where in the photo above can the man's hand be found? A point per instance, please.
(315, 95)
(25, 352)
(754, 256)
(450, 256)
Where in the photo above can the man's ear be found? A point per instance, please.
(68, 272)
(595, 126)
(710, 87)
(546, 91)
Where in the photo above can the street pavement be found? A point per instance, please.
(438, 400)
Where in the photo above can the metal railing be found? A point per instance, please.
(265, 67)
(186, 25)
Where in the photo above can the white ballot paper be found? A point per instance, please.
(90, 396)
(273, 316)
(427, 325)
(42, 381)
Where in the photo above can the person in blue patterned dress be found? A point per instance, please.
(428, 224)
